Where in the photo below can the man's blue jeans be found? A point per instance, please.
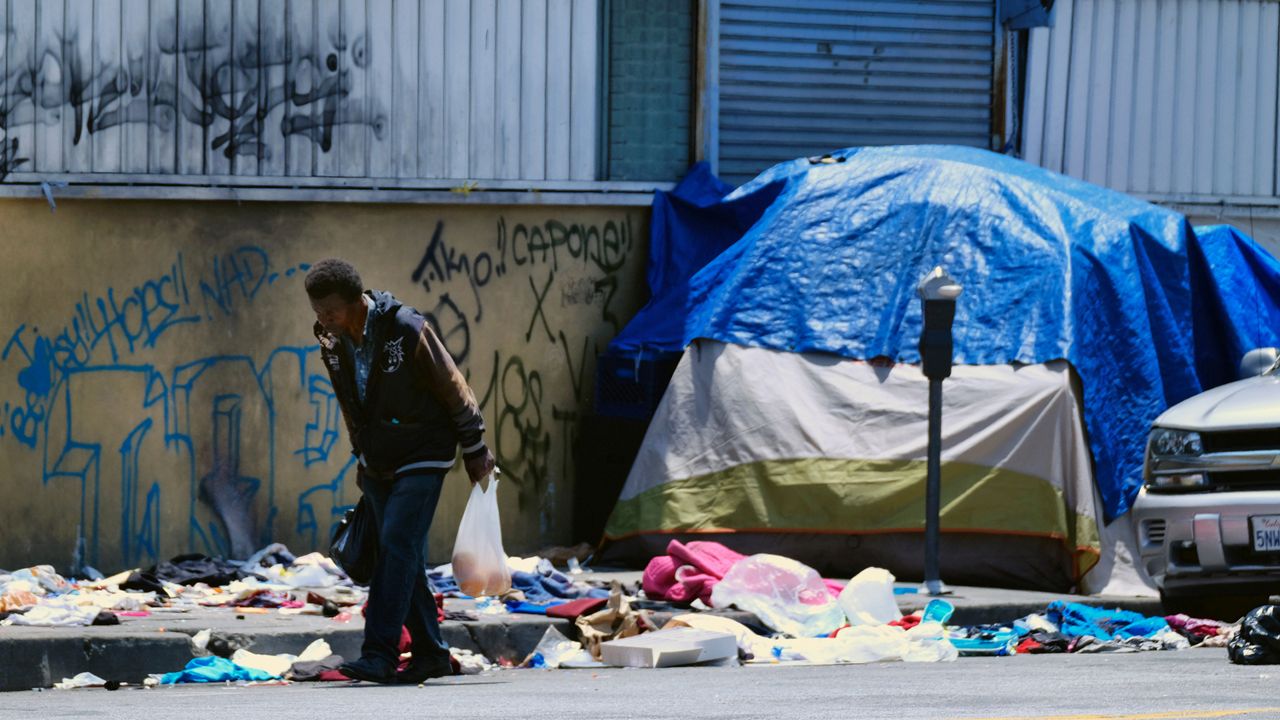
(399, 594)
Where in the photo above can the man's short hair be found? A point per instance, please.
(332, 275)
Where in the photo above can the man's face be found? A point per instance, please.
(335, 314)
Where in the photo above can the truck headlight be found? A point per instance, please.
(1166, 442)
(1188, 481)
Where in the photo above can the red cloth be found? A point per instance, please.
(688, 572)
(906, 622)
(572, 609)
(1196, 626)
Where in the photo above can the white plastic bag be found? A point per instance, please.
(868, 598)
(785, 594)
(479, 562)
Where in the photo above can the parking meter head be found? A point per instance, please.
(938, 285)
(938, 293)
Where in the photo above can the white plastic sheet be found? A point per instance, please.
(786, 595)
(868, 598)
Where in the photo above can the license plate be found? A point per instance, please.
(1266, 532)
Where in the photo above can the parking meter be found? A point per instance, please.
(938, 293)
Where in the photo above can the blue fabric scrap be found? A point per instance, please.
(215, 669)
(1075, 620)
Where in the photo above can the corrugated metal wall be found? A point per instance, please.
(250, 90)
(1158, 97)
(808, 76)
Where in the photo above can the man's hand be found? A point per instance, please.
(479, 467)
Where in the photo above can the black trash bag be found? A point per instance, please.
(1258, 642)
(354, 545)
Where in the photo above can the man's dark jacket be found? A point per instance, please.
(418, 407)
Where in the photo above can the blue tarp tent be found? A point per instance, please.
(825, 256)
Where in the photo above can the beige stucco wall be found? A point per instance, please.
(150, 347)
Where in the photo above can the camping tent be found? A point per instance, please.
(1086, 313)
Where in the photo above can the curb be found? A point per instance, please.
(39, 657)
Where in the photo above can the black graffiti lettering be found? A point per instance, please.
(575, 376)
(115, 92)
(538, 313)
(452, 327)
(606, 247)
(430, 257)
(566, 422)
(519, 240)
(502, 247)
(609, 287)
(440, 263)
(483, 267)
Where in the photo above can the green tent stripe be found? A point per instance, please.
(853, 496)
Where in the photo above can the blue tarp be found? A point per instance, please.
(689, 227)
(825, 257)
(1235, 285)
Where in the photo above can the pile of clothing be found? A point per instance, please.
(537, 588)
(273, 578)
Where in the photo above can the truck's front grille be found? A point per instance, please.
(1247, 556)
(1245, 480)
(1241, 440)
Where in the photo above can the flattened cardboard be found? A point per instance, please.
(669, 648)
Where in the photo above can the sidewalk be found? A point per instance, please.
(38, 657)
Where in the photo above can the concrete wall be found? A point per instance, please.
(158, 360)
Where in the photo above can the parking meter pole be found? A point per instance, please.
(933, 493)
(938, 293)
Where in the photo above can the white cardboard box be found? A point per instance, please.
(668, 648)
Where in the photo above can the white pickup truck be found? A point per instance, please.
(1208, 516)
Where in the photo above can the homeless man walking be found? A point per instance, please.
(407, 409)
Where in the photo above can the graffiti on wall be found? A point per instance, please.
(233, 95)
(552, 266)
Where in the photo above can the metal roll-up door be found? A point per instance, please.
(804, 77)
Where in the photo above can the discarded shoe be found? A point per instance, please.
(369, 670)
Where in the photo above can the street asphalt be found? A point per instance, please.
(1173, 685)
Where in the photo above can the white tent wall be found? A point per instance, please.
(755, 441)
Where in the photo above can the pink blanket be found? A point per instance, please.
(688, 572)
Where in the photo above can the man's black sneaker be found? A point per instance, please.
(416, 674)
(369, 670)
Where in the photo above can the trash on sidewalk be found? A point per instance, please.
(215, 669)
(669, 648)
(785, 594)
(1258, 642)
(750, 645)
(615, 621)
(555, 650)
(471, 663)
(868, 598)
(83, 680)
